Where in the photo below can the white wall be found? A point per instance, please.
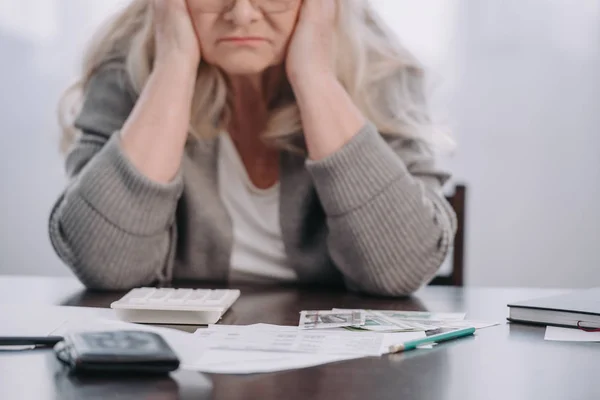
(520, 82)
(526, 109)
(40, 44)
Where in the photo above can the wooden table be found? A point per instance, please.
(505, 362)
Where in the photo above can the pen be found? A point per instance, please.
(440, 337)
(29, 340)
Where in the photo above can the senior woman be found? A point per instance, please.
(271, 141)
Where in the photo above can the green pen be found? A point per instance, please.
(435, 338)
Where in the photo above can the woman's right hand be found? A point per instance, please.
(153, 137)
(175, 34)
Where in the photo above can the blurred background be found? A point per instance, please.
(517, 81)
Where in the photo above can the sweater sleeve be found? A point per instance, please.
(390, 226)
(114, 227)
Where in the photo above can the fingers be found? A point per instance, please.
(319, 11)
(175, 30)
(169, 14)
(161, 10)
(166, 7)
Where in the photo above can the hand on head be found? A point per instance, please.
(310, 54)
(175, 35)
(299, 35)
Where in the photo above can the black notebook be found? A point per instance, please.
(578, 308)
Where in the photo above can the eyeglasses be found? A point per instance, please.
(267, 6)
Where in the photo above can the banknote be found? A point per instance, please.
(407, 321)
(425, 321)
(331, 319)
(376, 322)
(420, 315)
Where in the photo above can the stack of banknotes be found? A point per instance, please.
(385, 320)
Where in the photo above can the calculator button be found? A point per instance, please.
(160, 296)
(216, 297)
(179, 296)
(197, 297)
(139, 296)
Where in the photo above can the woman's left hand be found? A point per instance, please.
(310, 55)
(330, 119)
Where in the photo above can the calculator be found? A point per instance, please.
(175, 306)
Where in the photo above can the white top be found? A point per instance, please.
(258, 253)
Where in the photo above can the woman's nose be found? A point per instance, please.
(243, 12)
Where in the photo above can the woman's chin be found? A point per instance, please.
(244, 67)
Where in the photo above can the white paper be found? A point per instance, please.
(16, 348)
(42, 320)
(298, 341)
(555, 333)
(220, 361)
(255, 362)
(283, 339)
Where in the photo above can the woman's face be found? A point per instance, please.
(244, 36)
